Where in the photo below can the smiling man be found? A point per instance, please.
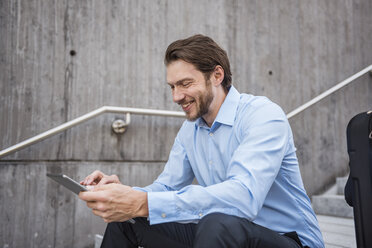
(240, 149)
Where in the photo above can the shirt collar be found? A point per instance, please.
(226, 113)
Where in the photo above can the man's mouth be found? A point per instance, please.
(186, 106)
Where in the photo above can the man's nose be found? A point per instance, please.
(178, 95)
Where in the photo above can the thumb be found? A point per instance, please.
(90, 187)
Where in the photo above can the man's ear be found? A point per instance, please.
(218, 75)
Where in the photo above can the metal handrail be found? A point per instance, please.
(86, 117)
(138, 111)
(330, 91)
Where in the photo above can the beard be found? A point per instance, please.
(202, 102)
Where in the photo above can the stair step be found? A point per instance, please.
(333, 205)
(341, 182)
(98, 241)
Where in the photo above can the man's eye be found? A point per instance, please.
(186, 84)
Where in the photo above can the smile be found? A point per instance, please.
(186, 106)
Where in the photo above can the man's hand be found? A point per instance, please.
(116, 202)
(99, 178)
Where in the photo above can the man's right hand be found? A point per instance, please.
(99, 178)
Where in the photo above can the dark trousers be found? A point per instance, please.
(214, 230)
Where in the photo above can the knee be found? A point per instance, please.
(216, 224)
(218, 221)
(220, 230)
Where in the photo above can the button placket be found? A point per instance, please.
(210, 157)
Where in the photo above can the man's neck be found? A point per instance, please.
(215, 107)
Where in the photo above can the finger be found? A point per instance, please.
(109, 179)
(83, 182)
(92, 204)
(98, 213)
(104, 186)
(107, 219)
(115, 179)
(90, 187)
(108, 186)
(99, 206)
(92, 196)
(105, 215)
(93, 178)
(104, 180)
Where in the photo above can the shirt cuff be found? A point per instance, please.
(162, 207)
(139, 189)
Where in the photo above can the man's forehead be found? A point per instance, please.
(181, 65)
(181, 81)
(181, 70)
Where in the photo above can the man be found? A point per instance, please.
(240, 149)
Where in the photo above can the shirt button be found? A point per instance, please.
(163, 215)
(210, 134)
(200, 214)
(210, 162)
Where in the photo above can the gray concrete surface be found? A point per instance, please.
(36, 212)
(332, 202)
(333, 205)
(62, 59)
(337, 232)
(340, 183)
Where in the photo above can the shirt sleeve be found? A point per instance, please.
(177, 172)
(251, 172)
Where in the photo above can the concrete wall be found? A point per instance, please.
(62, 59)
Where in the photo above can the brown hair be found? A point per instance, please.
(203, 53)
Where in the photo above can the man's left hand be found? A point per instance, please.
(116, 202)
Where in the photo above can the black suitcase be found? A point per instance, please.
(358, 190)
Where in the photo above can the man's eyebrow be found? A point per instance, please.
(180, 81)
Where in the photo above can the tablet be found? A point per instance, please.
(72, 185)
(68, 183)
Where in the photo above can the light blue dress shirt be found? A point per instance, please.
(246, 166)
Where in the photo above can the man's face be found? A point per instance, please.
(189, 89)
